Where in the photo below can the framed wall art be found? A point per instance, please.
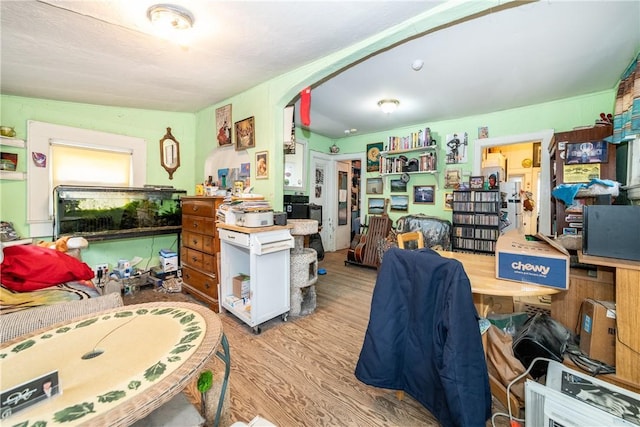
(476, 182)
(452, 178)
(223, 125)
(400, 203)
(245, 134)
(456, 145)
(375, 205)
(587, 152)
(262, 165)
(398, 186)
(374, 185)
(373, 156)
(448, 201)
(424, 194)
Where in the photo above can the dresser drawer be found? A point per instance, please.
(199, 224)
(200, 242)
(200, 260)
(199, 207)
(207, 284)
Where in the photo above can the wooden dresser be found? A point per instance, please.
(200, 249)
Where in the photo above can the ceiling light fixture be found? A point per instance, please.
(388, 106)
(170, 17)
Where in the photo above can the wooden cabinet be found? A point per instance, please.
(572, 219)
(595, 283)
(476, 220)
(200, 249)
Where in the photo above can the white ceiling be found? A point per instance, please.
(103, 52)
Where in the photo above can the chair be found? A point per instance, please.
(409, 240)
(405, 240)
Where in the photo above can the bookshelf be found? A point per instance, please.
(476, 220)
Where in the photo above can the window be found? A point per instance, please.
(78, 165)
(59, 144)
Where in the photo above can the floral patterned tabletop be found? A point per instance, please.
(113, 367)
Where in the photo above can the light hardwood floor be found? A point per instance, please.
(301, 372)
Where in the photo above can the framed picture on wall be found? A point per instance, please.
(223, 125)
(424, 194)
(374, 185)
(373, 156)
(245, 134)
(398, 186)
(476, 182)
(586, 152)
(400, 203)
(452, 177)
(448, 201)
(262, 165)
(375, 205)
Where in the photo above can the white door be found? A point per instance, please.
(343, 214)
(324, 192)
(320, 194)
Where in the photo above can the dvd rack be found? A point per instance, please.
(476, 220)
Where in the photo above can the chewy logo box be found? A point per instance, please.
(542, 262)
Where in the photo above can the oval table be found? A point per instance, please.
(148, 354)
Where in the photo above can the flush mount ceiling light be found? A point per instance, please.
(170, 17)
(388, 106)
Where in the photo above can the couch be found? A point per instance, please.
(436, 231)
(26, 321)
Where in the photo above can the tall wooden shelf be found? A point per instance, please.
(476, 220)
(557, 152)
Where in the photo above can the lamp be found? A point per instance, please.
(170, 17)
(388, 106)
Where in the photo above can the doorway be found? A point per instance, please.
(333, 188)
(543, 182)
(521, 173)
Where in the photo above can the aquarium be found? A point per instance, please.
(116, 212)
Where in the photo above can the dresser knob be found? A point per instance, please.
(195, 225)
(194, 259)
(207, 285)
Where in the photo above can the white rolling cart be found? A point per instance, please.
(262, 253)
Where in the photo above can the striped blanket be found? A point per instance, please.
(11, 301)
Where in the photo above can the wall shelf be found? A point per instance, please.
(12, 176)
(410, 150)
(12, 142)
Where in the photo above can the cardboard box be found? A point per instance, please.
(543, 262)
(241, 286)
(168, 260)
(598, 330)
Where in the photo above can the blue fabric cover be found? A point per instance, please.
(423, 337)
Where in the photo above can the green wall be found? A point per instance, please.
(561, 115)
(147, 124)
